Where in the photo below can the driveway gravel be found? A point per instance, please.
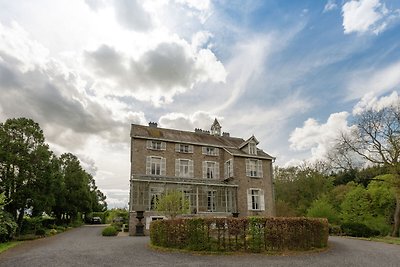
(85, 246)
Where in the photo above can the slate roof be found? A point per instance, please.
(230, 144)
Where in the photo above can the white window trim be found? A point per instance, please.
(261, 198)
(178, 168)
(149, 145)
(215, 172)
(252, 148)
(162, 165)
(178, 148)
(205, 151)
(258, 166)
(230, 173)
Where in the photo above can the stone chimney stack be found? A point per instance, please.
(153, 124)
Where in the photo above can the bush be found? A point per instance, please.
(53, 232)
(109, 231)
(40, 232)
(117, 226)
(7, 227)
(254, 234)
(335, 229)
(358, 230)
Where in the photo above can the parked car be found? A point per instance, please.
(96, 220)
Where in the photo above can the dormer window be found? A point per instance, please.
(252, 149)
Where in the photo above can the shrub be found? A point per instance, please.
(254, 234)
(117, 226)
(40, 232)
(7, 226)
(335, 229)
(321, 208)
(53, 232)
(109, 231)
(358, 230)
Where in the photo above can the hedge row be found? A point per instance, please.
(255, 234)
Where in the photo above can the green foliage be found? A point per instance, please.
(40, 232)
(321, 208)
(33, 178)
(298, 187)
(358, 230)
(115, 215)
(356, 206)
(255, 234)
(7, 224)
(109, 231)
(172, 204)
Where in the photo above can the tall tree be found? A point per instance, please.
(298, 187)
(24, 162)
(76, 186)
(375, 137)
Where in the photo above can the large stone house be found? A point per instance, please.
(219, 175)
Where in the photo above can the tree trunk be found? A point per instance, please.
(396, 225)
(20, 220)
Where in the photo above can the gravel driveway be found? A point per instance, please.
(85, 246)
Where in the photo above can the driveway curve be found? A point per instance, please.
(85, 246)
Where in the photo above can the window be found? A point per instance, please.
(210, 151)
(155, 194)
(210, 170)
(252, 149)
(254, 168)
(184, 168)
(255, 199)
(211, 200)
(229, 168)
(183, 148)
(156, 145)
(155, 165)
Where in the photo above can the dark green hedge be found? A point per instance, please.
(255, 234)
(358, 230)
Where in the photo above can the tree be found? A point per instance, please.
(298, 187)
(172, 204)
(76, 191)
(375, 137)
(7, 224)
(24, 167)
(321, 208)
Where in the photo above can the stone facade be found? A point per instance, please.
(196, 163)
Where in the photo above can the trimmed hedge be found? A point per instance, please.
(255, 234)
(109, 231)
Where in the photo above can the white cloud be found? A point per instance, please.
(330, 5)
(319, 137)
(363, 16)
(188, 122)
(157, 75)
(371, 102)
(374, 81)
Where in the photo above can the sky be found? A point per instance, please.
(293, 73)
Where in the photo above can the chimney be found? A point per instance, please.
(224, 134)
(153, 124)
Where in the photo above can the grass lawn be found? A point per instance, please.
(387, 239)
(8, 245)
(384, 239)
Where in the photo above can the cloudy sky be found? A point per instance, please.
(292, 73)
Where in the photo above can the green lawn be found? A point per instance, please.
(384, 239)
(8, 245)
(387, 239)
